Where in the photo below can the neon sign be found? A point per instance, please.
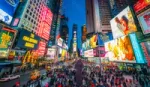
(45, 24)
(141, 4)
(41, 48)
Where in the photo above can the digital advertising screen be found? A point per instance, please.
(123, 23)
(144, 20)
(137, 48)
(7, 36)
(60, 42)
(140, 5)
(27, 40)
(102, 38)
(89, 53)
(51, 53)
(41, 48)
(7, 10)
(120, 50)
(93, 41)
(146, 49)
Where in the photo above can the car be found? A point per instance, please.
(9, 77)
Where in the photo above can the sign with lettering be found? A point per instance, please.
(27, 40)
(6, 40)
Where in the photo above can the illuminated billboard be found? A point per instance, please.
(93, 41)
(45, 24)
(41, 48)
(141, 4)
(60, 42)
(89, 53)
(51, 53)
(6, 40)
(123, 23)
(137, 49)
(144, 20)
(7, 10)
(146, 49)
(120, 50)
(27, 40)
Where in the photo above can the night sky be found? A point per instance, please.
(75, 11)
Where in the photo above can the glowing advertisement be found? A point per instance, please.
(6, 41)
(89, 53)
(7, 10)
(120, 50)
(123, 23)
(27, 40)
(102, 38)
(51, 53)
(74, 47)
(60, 42)
(41, 48)
(144, 20)
(45, 24)
(102, 51)
(65, 46)
(146, 49)
(137, 50)
(93, 41)
(141, 4)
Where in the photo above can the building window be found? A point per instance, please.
(25, 16)
(27, 11)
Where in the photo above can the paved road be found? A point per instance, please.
(24, 78)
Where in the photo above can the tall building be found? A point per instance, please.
(27, 14)
(73, 46)
(64, 30)
(84, 32)
(90, 16)
(98, 16)
(56, 20)
(105, 16)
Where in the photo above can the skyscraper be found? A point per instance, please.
(105, 16)
(84, 32)
(90, 16)
(98, 16)
(64, 28)
(56, 20)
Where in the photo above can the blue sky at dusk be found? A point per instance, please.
(75, 11)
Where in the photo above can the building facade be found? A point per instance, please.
(84, 32)
(56, 21)
(98, 16)
(64, 30)
(90, 16)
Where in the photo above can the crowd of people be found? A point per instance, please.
(92, 77)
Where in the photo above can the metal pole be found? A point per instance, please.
(100, 61)
(99, 57)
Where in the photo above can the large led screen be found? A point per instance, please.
(51, 53)
(120, 50)
(7, 10)
(27, 40)
(89, 53)
(7, 36)
(140, 5)
(146, 49)
(144, 20)
(123, 23)
(137, 49)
